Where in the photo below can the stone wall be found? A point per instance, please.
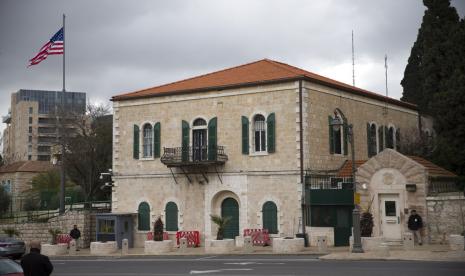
(446, 215)
(39, 230)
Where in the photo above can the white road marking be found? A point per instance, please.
(218, 270)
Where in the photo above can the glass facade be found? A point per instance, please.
(73, 101)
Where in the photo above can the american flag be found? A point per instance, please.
(53, 47)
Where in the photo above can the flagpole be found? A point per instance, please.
(62, 165)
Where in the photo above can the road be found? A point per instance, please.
(248, 265)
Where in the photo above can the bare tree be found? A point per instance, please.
(417, 143)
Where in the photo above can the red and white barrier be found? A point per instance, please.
(259, 236)
(193, 237)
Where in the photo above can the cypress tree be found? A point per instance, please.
(429, 63)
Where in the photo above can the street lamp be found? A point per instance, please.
(336, 124)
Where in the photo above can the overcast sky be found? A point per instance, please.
(114, 46)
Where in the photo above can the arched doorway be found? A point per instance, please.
(230, 208)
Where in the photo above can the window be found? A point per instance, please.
(390, 137)
(29, 157)
(43, 158)
(390, 208)
(30, 139)
(372, 140)
(29, 148)
(30, 129)
(143, 215)
(270, 217)
(337, 141)
(171, 212)
(148, 140)
(30, 120)
(106, 226)
(30, 110)
(259, 127)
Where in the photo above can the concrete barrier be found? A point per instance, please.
(284, 245)
(322, 242)
(103, 248)
(182, 244)
(158, 247)
(248, 244)
(368, 243)
(408, 241)
(72, 247)
(219, 246)
(125, 247)
(239, 241)
(456, 242)
(54, 249)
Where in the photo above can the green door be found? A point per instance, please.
(230, 208)
(343, 227)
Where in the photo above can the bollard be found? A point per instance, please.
(72, 247)
(182, 244)
(408, 241)
(322, 243)
(125, 247)
(248, 245)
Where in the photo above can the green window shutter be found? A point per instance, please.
(185, 141)
(171, 218)
(245, 135)
(398, 139)
(331, 135)
(212, 139)
(135, 143)
(143, 215)
(270, 217)
(271, 132)
(369, 142)
(346, 136)
(156, 140)
(381, 138)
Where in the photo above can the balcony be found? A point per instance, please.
(193, 156)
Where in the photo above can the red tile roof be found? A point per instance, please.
(27, 166)
(264, 71)
(433, 169)
(346, 169)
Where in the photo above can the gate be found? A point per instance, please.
(230, 208)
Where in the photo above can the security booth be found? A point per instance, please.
(114, 227)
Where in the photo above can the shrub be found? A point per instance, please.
(158, 230)
(221, 223)
(54, 232)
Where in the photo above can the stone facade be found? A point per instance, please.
(446, 216)
(84, 220)
(251, 179)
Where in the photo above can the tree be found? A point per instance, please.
(221, 223)
(430, 61)
(5, 200)
(89, 149)
(449, 106)
(414, 143)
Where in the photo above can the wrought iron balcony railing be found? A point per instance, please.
(187, 156)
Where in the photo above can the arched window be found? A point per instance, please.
(199, 140)
(143, 215)
(270, 217)
(337, 133)
(148, 140)
(199, 122)
(390, 137)
(372, 141)
(171, 216)
(259, 126)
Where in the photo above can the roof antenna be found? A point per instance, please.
(353, 60)
(386, 76)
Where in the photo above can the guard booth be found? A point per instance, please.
(331, 201)
(114, 227)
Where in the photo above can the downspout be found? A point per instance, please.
(302, 178)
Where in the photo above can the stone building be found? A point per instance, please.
(31, 126)
(229, 143)
(16, 179)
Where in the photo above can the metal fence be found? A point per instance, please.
(327, 182)
(438, 186)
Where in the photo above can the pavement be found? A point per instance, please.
(418, 253)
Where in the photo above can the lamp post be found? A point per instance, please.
(336, 124)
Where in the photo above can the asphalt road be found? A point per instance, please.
(248, 265)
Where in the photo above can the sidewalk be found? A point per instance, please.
(419, 253)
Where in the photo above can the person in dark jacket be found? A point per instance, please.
(36, 264)
(415, 224)
(75, 234)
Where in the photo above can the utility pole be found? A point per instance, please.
(60, 124)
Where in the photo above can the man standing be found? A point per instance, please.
(75, 234)
(415, 224)
(36, 264)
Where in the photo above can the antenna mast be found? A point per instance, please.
(353, 60)
(386, 76)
